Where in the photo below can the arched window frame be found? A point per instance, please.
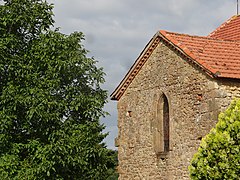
(161, 125)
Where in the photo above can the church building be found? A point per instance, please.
(171, 97)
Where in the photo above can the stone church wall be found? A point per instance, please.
(195, 100)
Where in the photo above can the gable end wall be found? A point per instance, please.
(194, 100)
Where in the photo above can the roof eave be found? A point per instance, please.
(140, 61)
(119, 91)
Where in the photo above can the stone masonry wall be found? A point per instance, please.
(195, 100)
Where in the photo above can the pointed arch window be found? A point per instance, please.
(161, 126)
(165, 123)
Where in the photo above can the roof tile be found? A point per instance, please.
(215, 55)
(229, 30)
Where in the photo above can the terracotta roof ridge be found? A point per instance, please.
(222, 25)
(197, 36)
(182, 34)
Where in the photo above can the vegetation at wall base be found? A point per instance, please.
(50, 99)
(219, 154)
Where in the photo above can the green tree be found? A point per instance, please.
(113, 162)
(50, 99)
(219, 154)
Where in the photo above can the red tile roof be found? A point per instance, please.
(218, 54)
(229, 30)
(220, 57)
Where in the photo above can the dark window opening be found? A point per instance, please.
(166, 123)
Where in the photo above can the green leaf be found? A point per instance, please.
(218, 155)
(50, 99)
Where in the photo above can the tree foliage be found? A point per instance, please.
(113, 162)
(50, 99)
(219, 154)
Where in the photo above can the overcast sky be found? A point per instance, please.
(116, 31)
